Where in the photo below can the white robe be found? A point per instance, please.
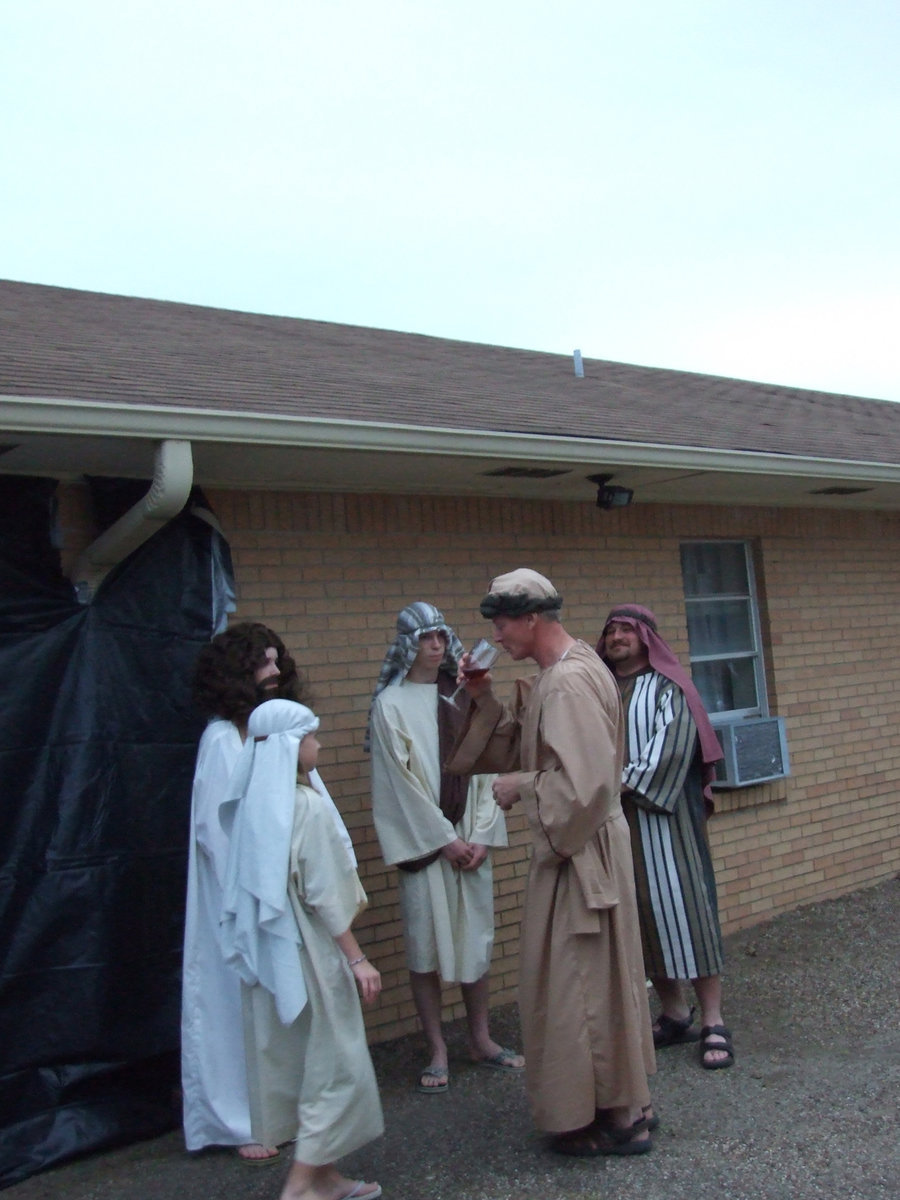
(313, 1079)
(448, 914)
(213, 1070)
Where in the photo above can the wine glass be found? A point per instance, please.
(482, 657)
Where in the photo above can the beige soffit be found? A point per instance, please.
(53, 415)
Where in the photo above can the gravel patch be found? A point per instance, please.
(809, 1112)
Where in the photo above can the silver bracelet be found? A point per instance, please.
(356, 961)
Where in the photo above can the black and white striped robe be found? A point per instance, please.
(662, 796)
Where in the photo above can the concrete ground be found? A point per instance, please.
(810, 1111)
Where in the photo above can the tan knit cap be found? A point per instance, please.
(520, 592)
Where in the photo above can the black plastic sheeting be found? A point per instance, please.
(97, 746)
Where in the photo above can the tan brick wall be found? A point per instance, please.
(330, 572)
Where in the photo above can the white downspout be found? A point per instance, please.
(173, 476)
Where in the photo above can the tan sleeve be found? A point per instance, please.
(577, 788)
(489, 742)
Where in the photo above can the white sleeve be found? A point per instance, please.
(408, 821)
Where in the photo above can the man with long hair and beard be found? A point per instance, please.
(234, 673)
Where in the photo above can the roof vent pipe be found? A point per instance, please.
(173, 477)
(579, 365)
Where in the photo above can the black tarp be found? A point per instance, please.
(97, 744)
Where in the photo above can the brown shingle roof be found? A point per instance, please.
(57, 342)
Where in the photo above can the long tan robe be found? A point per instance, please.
(315, 1074)
(448, 914)
(582, 992)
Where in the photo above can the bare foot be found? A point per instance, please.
(253, 1152)
(305, 1182)
(435, 1078)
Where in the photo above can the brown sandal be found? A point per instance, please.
(648, 1119)
(673, 1031)
(599, 1139)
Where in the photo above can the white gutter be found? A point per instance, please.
(173, 476)
(28, 414)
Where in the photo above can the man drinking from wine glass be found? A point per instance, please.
(438, 830)
(582, 996)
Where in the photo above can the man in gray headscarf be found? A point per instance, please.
(437, 829)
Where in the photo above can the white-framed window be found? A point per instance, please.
(723, 629)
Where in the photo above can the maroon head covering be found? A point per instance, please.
(643, 622)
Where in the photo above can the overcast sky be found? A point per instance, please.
(709, 185)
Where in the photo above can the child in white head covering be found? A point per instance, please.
(291, 895)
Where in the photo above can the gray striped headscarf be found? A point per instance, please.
(414, 620)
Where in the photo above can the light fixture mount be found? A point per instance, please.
(608, 495)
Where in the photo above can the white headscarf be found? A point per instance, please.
(258, 932)
(318, 783)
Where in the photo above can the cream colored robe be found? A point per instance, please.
(582, 992)
(315, 1074)
(448, 914)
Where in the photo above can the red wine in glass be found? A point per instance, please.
(482, 657)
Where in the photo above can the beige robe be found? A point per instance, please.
(448, 914)
(313, 1079)
(582, 992)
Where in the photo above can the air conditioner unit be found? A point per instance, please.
(755, 751)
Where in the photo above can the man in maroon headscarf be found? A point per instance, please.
(666, 794)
